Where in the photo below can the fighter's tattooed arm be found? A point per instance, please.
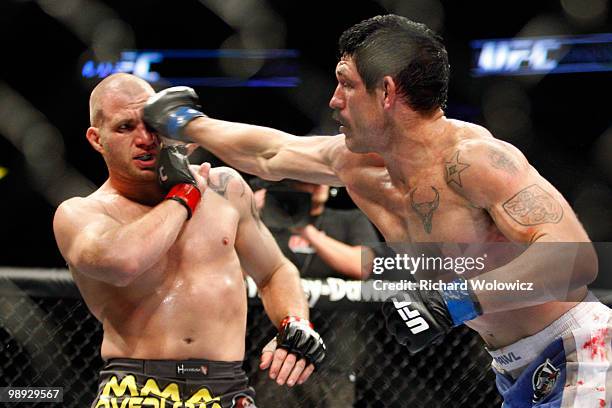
(221, 179)
(425, 209)
(228, 183)
(515, 203)
(501, 160)
(532, 206)
(523, 206)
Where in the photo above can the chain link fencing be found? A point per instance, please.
(48, 338)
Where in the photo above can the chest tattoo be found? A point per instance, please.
(454, 169)
(425, 209)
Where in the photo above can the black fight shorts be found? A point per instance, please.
(173, 384)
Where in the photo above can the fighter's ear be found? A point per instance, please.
(93, 136)
(389, 90)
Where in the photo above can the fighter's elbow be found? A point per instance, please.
(269, 167)
(126, 272)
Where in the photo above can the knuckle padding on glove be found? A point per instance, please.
(302, 342)
(169, 111)
(426, 306)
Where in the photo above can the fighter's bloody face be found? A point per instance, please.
(360, 112)
(130, 149)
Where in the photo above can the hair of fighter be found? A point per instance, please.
(412, 54)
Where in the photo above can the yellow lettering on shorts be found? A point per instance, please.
(124, 403)
(128, 382)
(135, 402)
(152, 388)
(202, 398)
(117, 390)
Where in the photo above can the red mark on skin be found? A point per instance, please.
(597, 344)
(580, 382)
(225, 241)
(602, 403)
(600, 388)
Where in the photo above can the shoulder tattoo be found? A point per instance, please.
(223, 178)
(425, 209)
(533, 206)
(453, 170)
(502, 161)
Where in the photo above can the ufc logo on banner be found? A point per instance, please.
(412, 318)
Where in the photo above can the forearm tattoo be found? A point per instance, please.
(425, 209)
(502, 161)
(533, 206)
(453, 170)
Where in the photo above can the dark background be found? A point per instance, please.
(561, 122)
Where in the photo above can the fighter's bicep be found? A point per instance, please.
(497, 177)
(535, 210)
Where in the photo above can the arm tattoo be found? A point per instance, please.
(224, 178)
(425, 209)
(501, 161)
(454, 169)
(533, 206)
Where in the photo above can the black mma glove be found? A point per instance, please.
(417, 318)
(168, 112)
(297, 336)
(175, 178)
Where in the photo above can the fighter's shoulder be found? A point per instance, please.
(227, 182)
(78, 205)
(479, 166)
(477, 144)
(343, 159)
(76, 212)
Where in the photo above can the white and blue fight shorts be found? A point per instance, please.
(568, 364)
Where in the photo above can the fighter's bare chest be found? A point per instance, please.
(427, 211)
(209, 233)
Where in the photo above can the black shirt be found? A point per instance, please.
(347, 226)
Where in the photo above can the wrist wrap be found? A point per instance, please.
(300, 320)
(186, 194)
(178, 119)
(461, 303)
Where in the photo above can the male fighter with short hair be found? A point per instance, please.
(421, 177)
(158, 254)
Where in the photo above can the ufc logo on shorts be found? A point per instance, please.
(412, 318)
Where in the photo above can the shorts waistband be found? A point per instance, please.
(192, 368)
(514, 357)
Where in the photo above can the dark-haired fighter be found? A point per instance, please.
(158, 254)
(421, 177)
